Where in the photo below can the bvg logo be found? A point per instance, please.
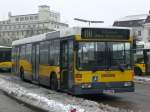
(95, 78)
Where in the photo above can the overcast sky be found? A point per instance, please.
(106, 10)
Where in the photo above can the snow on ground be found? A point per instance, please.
(140, 79)
(49, 100)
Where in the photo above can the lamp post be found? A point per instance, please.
(88, 21)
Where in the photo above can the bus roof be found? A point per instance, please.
(35, 38)
(57, 34)
(4, 46)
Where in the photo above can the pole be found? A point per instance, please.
(88, 21)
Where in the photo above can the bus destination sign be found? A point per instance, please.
(105, 34)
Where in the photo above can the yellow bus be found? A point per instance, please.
(5, 58)
(78, 60)
(142, 59)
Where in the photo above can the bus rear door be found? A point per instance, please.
(35, 62)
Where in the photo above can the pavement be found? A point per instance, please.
(8, 104)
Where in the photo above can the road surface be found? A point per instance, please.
(139, 101)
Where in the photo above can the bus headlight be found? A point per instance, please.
(86, 86)
(127, 84)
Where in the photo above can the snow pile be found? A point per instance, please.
(52, 101)
(140, 79)
(35, 99)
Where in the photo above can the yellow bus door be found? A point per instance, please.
(35, 62)
(66, 64)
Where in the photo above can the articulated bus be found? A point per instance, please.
(5, 58)
(142, 59)
(77, 60)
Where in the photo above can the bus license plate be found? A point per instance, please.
(108, 91)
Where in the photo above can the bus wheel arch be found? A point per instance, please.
(22, 73)
(53, 81)
(137, 71)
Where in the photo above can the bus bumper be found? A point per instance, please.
(98, 88)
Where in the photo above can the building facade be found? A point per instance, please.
(22, 26)
(140, 25)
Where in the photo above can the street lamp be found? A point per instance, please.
(88, 21)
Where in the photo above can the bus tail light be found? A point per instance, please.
(78, 76)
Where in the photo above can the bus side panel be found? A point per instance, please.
(27, 66)
(45, 72)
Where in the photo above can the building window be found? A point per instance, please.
(139, 33)
(33, 26)
(36, 17)
(9, 27)
(17, 19)
(31, 17)
(23, 26)
(22, 19)
(26, 18)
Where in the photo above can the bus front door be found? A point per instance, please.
(66, 64)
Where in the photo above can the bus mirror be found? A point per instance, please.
(122, 67)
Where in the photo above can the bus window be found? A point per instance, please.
(28, 52)
(22, 52)
(54, 52)
(44, 52)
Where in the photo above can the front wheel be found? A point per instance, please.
(54, 82)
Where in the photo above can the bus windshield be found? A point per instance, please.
(102, 55)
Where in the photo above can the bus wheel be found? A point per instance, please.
(22, 73)
(137, 71)
(53, 82)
